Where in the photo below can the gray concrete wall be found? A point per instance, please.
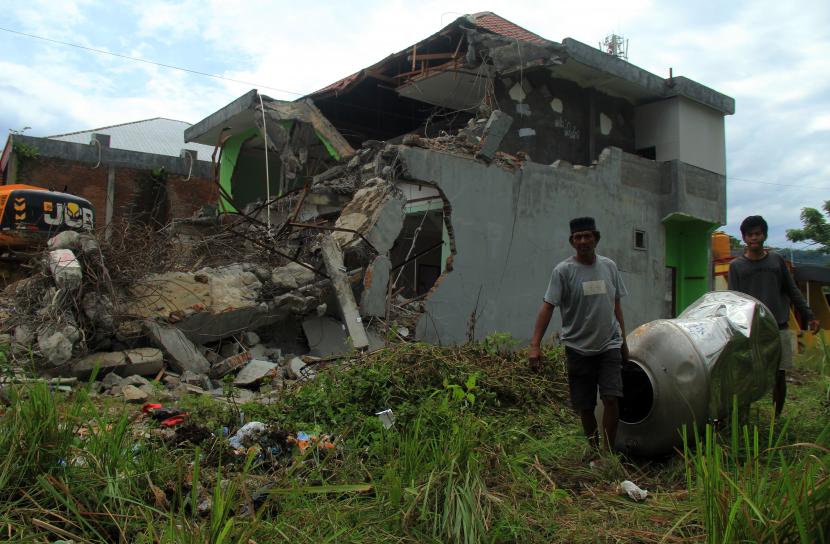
(90, 154)
(511, 228)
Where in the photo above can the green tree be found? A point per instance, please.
(815, 228)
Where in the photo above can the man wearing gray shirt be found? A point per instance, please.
(587, 289)
(764, 275)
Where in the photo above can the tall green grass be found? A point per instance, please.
(756, 488)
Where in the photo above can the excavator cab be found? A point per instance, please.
(31, 215)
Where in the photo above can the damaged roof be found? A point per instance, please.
(446, 68)
(243, 114)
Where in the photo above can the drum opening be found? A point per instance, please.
(638, 393)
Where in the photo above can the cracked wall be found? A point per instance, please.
(511, 228)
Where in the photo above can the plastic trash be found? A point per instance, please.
(386, 417)
(245, 433)
(304, 441)
(167, 417)
(632, 490)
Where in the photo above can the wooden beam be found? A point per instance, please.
(378, 75)
(434, 56)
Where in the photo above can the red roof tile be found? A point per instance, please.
(498, 25)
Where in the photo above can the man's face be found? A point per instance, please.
(584, 242)
(755, 238)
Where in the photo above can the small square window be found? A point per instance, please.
(639, 239)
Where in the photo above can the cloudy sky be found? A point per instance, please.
(773, 57)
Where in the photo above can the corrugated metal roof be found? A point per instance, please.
(159, 135)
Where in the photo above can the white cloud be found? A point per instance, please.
(770, 56)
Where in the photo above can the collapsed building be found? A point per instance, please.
(495, 137)
(425, 197)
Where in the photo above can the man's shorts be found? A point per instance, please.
(787, 349)
(587, 372)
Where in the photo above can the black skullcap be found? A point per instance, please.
(583, 223)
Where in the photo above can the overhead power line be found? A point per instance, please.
(154, 63)
(733, 178)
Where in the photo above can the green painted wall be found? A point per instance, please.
(245, 184)
(687, 251)
(227, 165)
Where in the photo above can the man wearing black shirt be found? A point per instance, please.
(764, 275)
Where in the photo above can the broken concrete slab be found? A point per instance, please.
(180, 351)
(194, 378)
(333, 259)
(55, 347)
(229, 364)
(375, 283)
(66, 269)
(299, 370)
(291, 276)
(376, 212)
(250, 338)
(105, 362)
(110, 380)
(254, 372)
(207, 305)
(497, 127)
(98, 308)
(68, 239)
(142, 362)
(326, 337)
(133, 394)
(137, 381)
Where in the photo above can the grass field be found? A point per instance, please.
(482, 450)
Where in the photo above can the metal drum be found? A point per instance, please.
(686, 371)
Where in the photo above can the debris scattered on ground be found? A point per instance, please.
(632, 490)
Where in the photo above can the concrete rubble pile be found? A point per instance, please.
(251, 324)
(247, 323)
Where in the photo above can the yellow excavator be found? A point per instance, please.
(29, 216)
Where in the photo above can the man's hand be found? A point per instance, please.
(814, 325)
(624, 351)
(534, 358)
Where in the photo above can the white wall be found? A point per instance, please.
(682, 129)
(702, 138)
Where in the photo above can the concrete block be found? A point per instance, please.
(250, 338)
(110, 380)
(375, 283)
(142, 362)
(254, 372)
(68, 239)
(106, 362)
(180, 351)
(333, 259)
(299, 370)
(137, 381)
(326, 337)
(55, 347)
(66, 269)
(377, 212)
(133, 394)
(291, 276)
(494, 132)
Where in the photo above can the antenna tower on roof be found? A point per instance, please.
(616, 45)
